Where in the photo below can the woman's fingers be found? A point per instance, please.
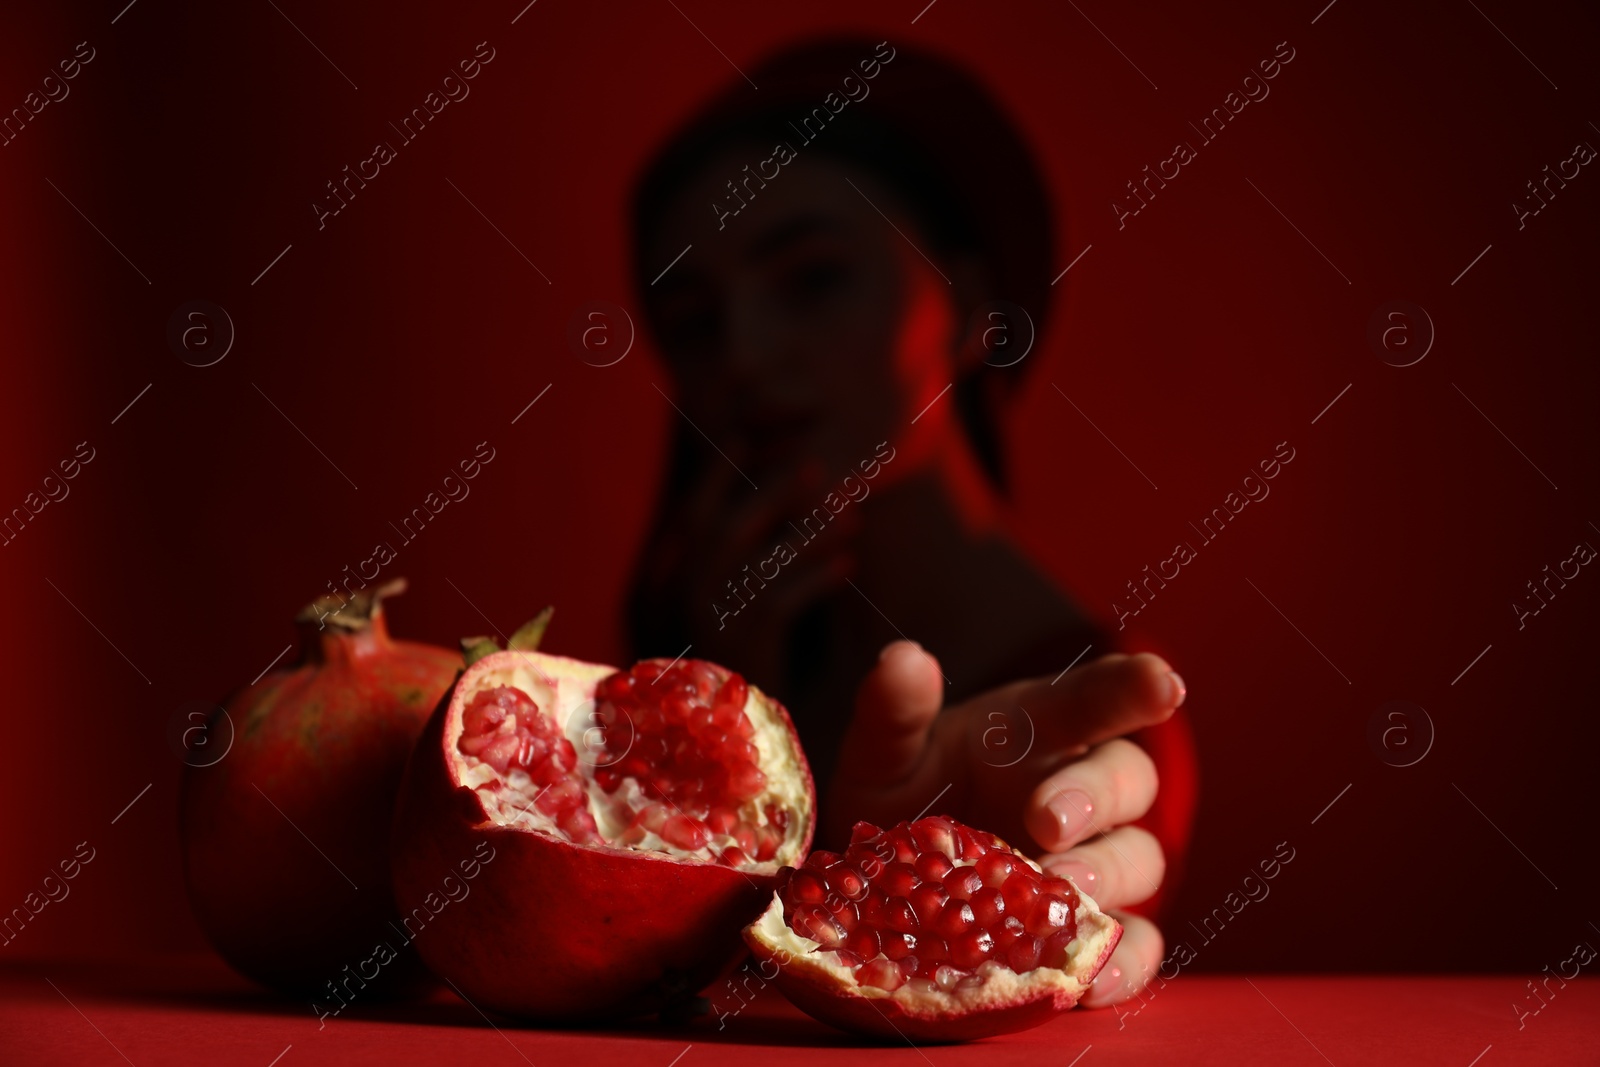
(1114, 784)
(1110, 697)
(1131, 966)
(1113, 696)
(896, 706)
(1122, 868)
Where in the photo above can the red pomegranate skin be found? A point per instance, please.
(887, 1021)
(550, 931)
(285, 840)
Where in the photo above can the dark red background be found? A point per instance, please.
(1197, 338)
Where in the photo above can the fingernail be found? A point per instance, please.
(1074, 813)
(1082, 875)
(1106, 988)
(883, 653)
(1178, 690)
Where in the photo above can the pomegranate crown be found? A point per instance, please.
(354, 612)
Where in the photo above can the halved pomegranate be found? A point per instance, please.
(931, 931)
(620, 827)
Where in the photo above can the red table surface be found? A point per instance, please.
(195, 1011)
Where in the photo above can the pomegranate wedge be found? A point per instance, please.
(931, 931)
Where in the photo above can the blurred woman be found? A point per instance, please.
(868, 256)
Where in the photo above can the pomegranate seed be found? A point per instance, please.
(863, 831)
(935, 835)
(722, 820)
(483, 715)
(531, 752)
(829, 935)
(1023, 955)
(994, 868)
(806, 888)
(970, 984)
(989, 906)
(1055, 951)
(745, 782)
(927, 901)
(881, 974)
(867, 859)
(501, 751)
(1061, 887)
(955, 919)
(971, 848)
(905, 849)
(734, 691)
(962, 882)
(735, 857)
(933, 866)
(848, 958)
(897, 945)
(897, 880)
(1021, 892)
(705, 678)
(680, 709)
(685, 833)
(899, 915)
(823, 860)
(768, 841)
(1010, 929)
(933, 949)
(745, 835)
(909, 965)
(846, 916)
(971, 949)
(652, 817)
(813, 921)
(1049, 915)
(846, 882)
(947, 976)
(922, 985)
(580, 827)
(863, 941)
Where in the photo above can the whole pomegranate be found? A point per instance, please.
(577, 842)
(285, 840)
(930, 931)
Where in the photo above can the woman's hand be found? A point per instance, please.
(1040, 759)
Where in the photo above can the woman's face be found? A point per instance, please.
(809, 327)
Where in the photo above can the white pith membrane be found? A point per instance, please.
(564, 688)
(999, 985)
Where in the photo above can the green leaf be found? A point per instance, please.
(530, 633)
